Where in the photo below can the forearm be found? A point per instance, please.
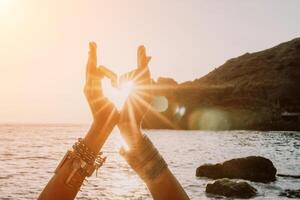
(57, 187)
(145, 159)
(166, 186)
(96, 137)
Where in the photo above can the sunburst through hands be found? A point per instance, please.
(117, 94)
(131, 93)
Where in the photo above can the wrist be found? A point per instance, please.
(132, 136)
(145, 159)
(79, 163)
(129, 127)
(95, 138)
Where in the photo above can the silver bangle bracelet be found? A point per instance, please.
(83, 164)
(145, 159)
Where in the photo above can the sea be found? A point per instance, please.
(30, 153)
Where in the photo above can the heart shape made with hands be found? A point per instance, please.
(121, 87)
(115, 90)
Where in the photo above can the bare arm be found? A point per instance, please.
(105, 118)
(166, 186)
(56, 187)
(145, 159)
(142, 156)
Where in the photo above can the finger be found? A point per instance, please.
(141, 57)
(145, 74)
(92, 62)
(144, 71)
(148, 59)
(103, 71)
(128, 76)
(143, 60)
(92, 59)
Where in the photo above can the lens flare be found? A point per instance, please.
(160, 103)
(209, 119)
(180, 110)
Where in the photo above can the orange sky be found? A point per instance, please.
(44, 43)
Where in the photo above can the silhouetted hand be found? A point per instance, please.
(138, 101)
(104, 112)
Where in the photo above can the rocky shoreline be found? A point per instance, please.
(251, 168)
(255, 91)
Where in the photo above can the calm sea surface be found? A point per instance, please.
(30, 153)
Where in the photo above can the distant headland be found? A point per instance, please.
(255, 91)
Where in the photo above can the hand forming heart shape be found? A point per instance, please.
(116, 91)
(132, 82)
(133, 89)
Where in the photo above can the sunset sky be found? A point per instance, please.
(44, 45)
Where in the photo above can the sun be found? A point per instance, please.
(126, 88)
(117, 95)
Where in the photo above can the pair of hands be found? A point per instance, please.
(105, 114)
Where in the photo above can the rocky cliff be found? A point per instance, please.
(247, 92)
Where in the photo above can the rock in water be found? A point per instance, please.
(253, 168)
(228, 188)
(290, 193)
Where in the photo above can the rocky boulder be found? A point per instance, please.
(290, 193)
(228, 188)
(253, 168)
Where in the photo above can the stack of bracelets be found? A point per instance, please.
(83, 163)
(145, 159)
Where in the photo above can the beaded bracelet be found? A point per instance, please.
(84, 152)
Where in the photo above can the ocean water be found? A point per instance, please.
(30, 153)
